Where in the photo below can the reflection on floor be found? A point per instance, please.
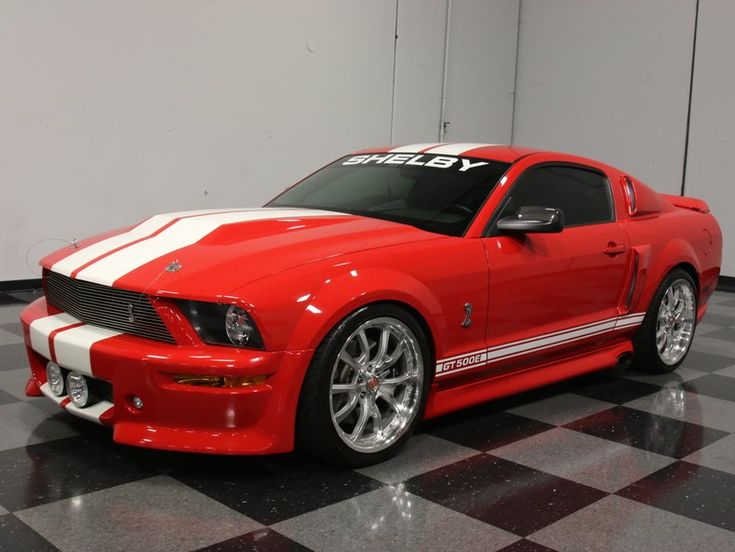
(614, 461)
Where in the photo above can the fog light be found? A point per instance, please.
(55, 378)
(78, 390)
(137, 402)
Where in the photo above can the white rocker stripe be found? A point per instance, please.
(41, 328)
(563, 333)
(546, 342)
(496, 353)
(182, 233)
(73, 346)
(456, 149)
(69, 264)
(414, 148)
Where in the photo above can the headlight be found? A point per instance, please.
(222, 324)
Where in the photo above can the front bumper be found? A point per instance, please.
(258, 419)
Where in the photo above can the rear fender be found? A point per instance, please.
(658, 265)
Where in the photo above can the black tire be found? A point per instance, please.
(316, 433)
(646, 357)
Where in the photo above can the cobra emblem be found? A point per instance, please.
(131, 313)
(467, 322)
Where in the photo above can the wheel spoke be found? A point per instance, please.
(345, 387)
(349, 361)
(389, 399)
(392, 359)
(342, 413)
(376, 416)
(382, 348)
(364, 345)
(399, 379)
(361, 421)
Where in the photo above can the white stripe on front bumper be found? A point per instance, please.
(73, 346)
(92, 413)
(41, 328)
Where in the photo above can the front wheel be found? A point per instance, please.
(664, 338)
(366, 388)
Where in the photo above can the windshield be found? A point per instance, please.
(437, 193)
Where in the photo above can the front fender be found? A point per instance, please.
(347, 292)
(310, 301)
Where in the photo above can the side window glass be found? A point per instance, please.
(582, 195)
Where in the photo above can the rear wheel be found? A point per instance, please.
(664, 338)
(366, 388)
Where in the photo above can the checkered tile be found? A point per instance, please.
(616, 460)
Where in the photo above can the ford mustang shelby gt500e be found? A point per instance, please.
(392, 285)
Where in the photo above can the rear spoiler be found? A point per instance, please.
(684, 202)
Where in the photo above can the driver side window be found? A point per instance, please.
(582, 195)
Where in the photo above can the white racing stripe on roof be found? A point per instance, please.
(456, 149)
(414, 148)
(72, 262)
(182, 233)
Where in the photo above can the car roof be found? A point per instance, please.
(495, 152)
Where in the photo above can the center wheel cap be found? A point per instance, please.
(372, 384)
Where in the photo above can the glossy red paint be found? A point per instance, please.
(545, 306)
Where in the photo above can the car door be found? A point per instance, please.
(555, 293)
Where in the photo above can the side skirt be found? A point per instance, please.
(442, 401)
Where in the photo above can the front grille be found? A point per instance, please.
(105, 306)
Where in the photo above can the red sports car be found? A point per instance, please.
(392, 285)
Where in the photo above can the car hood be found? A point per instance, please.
(204, 254)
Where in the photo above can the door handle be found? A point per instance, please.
(614, 249)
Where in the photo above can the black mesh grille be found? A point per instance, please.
(105, 306)
(101, 389)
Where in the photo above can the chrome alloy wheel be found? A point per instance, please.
(376, 383)
(675, 323)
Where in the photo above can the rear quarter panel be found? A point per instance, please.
(672, 237)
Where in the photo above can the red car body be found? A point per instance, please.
(545, 307)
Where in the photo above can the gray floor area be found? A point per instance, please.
(614, 461)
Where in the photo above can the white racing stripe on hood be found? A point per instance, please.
(72, 262)
(414, 148)
(456, 149)
(182, 233)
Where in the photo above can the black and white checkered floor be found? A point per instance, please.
(614, 461)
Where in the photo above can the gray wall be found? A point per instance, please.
(711, 155)
(607, 80)
(611, 80)
(112, 111)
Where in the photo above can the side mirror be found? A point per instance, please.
(529, 220)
